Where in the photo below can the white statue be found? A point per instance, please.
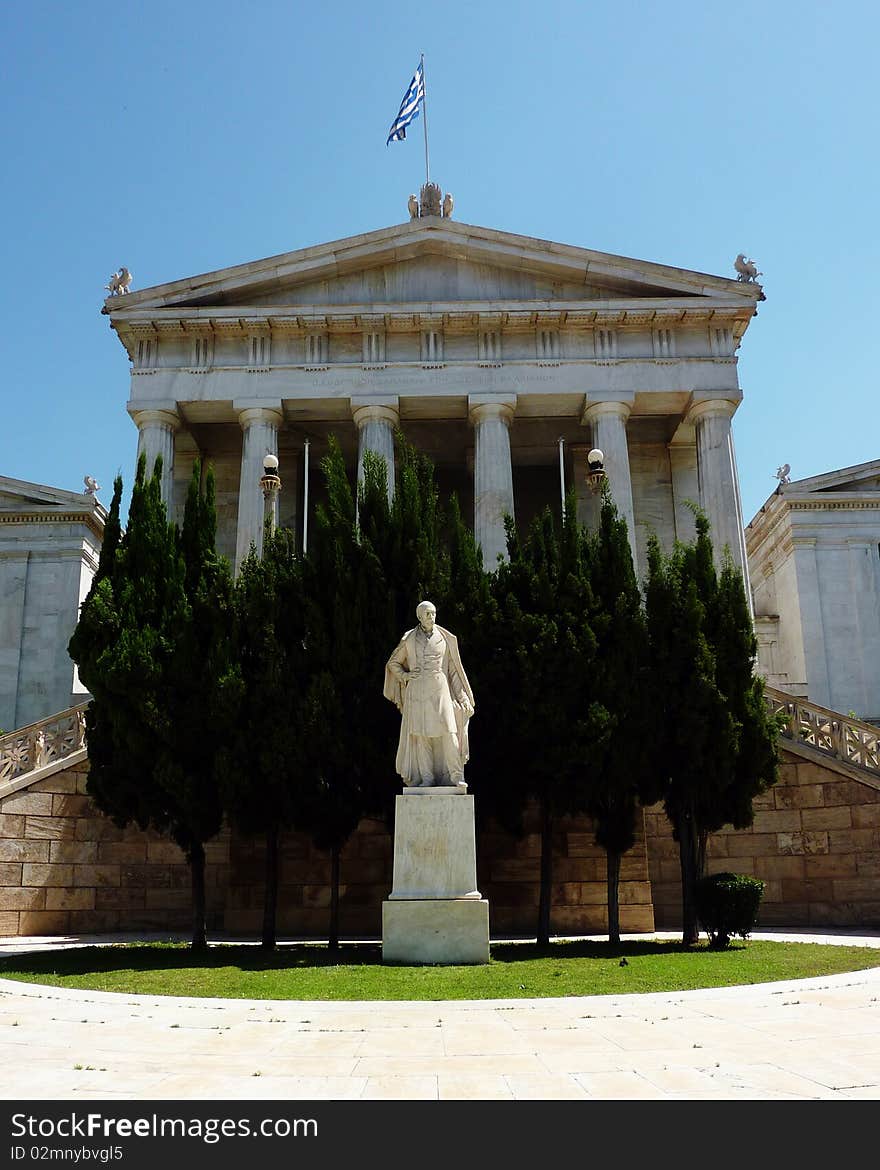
(413, 205)
(747, 270)
(119, 282)
(782, 474)
(448, 204)
(92, 485)
(425, 679)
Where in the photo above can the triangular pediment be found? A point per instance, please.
(17, 495)
(862, 477)
(428, 261)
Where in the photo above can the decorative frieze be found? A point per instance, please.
(431, 346)
(87, 518)
(316, 349)
(489, 345)
(548, 347)
(374, 347)
(664, 342)
(606, 344)
(259, 351)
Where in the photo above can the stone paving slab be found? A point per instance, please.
(815, 1039)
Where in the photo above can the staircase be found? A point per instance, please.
(828, 737)
(38, 750)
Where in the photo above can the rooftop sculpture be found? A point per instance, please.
(119, 283)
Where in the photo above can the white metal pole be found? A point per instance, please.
(306, 496)
(562, 475)
(425, 119)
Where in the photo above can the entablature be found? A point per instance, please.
(576, 324)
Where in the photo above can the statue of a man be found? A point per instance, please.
(425, 679)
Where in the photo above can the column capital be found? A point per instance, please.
(249, 416)
(375, 409)
(156, 417)
(619, 406)
(483, 407)
(711, 404)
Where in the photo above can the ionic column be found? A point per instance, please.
(156, 429)
(376, 421)
(717, 477)
(260, 426)
(608, 420)
(491, 416)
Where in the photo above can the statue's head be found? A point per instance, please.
(426, 612)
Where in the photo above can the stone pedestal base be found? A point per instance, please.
(433, 931)
(434, 913)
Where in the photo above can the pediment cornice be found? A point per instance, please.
(150, 322)
(502, 250)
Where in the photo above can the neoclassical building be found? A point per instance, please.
(50, 541)
(505, 358)
(814, 552)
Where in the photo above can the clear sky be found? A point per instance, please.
(181, 137)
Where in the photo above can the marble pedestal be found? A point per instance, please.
(434, 913)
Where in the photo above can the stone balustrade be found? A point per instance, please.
(842, 737)
(38, 745)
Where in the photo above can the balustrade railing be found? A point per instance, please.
(840, 736)
(829, 732)
(42, 743)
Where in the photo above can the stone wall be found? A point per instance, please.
(815, 843)
(66, 869)
(507, 874)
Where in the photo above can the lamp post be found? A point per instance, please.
(271, 485)
(596, 474)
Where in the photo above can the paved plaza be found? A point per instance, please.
(813, 1039)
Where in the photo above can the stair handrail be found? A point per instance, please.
(843, 737)
(40, 744)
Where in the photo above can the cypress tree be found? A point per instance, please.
(620, 776)
(714, 748)
(349, 724)
(149, 646)
(261, 765)
(187, 708)
(543, 721)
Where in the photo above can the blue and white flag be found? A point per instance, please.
(409, 107)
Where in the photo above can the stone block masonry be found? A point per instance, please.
(66, 869)
(815, 843)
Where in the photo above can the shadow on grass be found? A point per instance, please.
(309, 956)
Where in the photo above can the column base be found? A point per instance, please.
(435, 931)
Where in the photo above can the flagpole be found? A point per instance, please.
(425, 119)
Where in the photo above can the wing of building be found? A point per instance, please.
(815, 569)
(50, 541)
(484, 347)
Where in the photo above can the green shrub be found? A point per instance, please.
(727, 904)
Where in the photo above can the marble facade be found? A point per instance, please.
(814, 557)
(484, 347)
(50, 542)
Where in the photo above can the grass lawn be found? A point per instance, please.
(355, 972)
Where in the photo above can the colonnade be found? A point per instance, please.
(491, 416)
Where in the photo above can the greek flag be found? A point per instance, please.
(409, 107)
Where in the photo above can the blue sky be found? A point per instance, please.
(177, 138)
